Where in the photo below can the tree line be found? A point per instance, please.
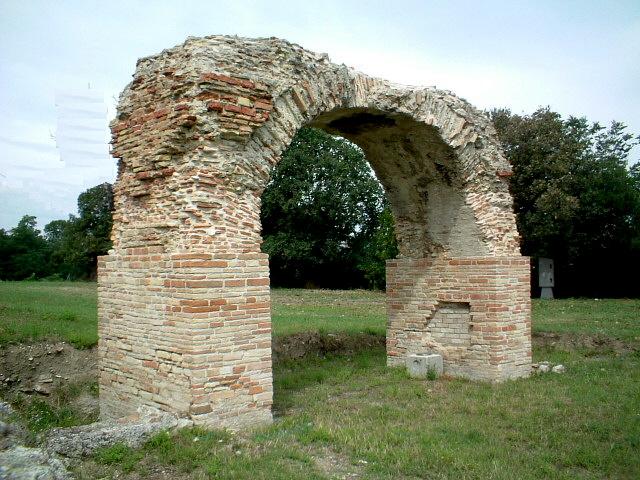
(326, 221)
(65, 249)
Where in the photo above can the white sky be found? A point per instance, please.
(578, 57)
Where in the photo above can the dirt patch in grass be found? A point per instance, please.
(595, 344)
(147, 467)
(40, 368)
(336, 465)
(57, 372)
(298, 345)
(50, 384)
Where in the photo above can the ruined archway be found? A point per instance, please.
(184, 295)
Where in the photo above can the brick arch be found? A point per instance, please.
(184, 299)
(436, 138)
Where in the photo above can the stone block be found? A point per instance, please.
(419, 365)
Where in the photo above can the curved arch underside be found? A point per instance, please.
(184, 295)
(421, 177)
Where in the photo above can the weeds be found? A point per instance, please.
(39, 415)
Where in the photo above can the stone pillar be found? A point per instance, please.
(189, 333)
(474, 311)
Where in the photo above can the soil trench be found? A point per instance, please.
(39, 369)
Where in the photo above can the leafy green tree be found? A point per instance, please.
(62, 239)
(95, 219)
(77, 242)
(6, 251)
(380, 247)
(68, 249)
(24, 251)
(320, 214)
(574, 196)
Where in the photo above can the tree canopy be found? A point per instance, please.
(322, 214)
(576, 199)
(23, 251)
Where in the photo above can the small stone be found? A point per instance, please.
(544, 368)
(43, 388)
(558, 369)
(5, 408)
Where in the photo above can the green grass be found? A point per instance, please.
(32, 311)
(613, 318)
(382, 425)
(207, 454)
(347, 415)
(67, 311)
(328, 311)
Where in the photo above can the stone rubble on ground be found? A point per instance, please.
(420, 365)
(545, 367)
(18, 462)
(133, 431)
(23, 463)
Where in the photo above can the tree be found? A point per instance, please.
(6, 251)
(575, 198)
(320, 213)
(95, 209)
(61, 235)
(68, 249)
(23, 251)
(380, 247)
(77, 242)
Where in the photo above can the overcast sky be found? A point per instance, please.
(578, 57)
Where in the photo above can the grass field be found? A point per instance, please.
(352, 417)
(32, 311)
(67, 311)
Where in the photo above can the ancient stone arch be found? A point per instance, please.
(184, 300)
